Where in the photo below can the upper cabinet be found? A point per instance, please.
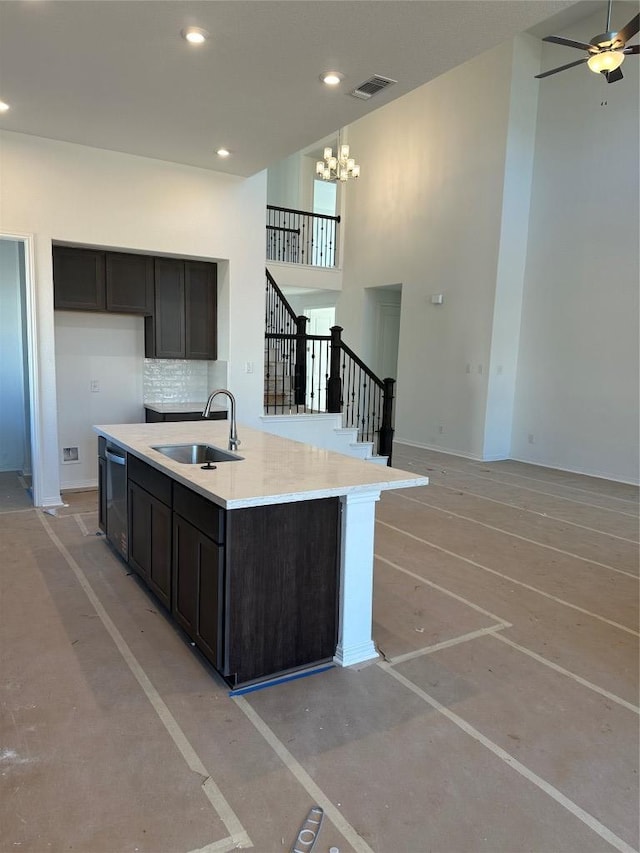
(78, 279)
(129, 283)
(93, 280)
(184, 319)
(177, 297)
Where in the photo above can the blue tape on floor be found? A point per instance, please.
(282, 680)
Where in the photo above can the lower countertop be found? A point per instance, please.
(177, 408)
(272, 470)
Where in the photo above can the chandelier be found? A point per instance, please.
(340, 167)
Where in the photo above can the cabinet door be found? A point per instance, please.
(129, 288)
(150, 541)
(201, 309)
(168, 324)
(197, 595)
(78, 279)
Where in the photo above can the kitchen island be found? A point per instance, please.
(266, 562)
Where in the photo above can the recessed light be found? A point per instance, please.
(194, 35)
(332, 78)
(223, 152)
(3, 107)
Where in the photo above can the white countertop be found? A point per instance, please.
(171, 408)
(273, 469)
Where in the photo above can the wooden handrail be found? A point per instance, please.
(351, 387)
(304, 212)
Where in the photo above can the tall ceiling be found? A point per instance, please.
(116, 74)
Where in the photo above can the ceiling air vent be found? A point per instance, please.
(372, 86)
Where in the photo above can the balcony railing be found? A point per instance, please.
(300, 237)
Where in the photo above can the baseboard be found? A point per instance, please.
(438, 449)
(598, 475)
(81, 486)
(51, 502)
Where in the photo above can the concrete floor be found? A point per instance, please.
(502, 715)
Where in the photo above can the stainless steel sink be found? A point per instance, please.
(196, 454)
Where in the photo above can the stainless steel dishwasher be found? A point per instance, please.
(116, 508)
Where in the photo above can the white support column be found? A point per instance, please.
(356, 579)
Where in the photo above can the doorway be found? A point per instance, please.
(19, 474)
(382, 329)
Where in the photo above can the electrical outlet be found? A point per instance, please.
(94, 385)
(531, 438)
(440, 429)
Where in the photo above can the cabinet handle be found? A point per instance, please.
(118, 460)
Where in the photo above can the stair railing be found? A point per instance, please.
(301, 237)
(320, 373)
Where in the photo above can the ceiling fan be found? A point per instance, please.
(605, 52)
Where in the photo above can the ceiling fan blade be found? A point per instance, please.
(633, 48)
(630, 30)
(569, 42)
(561, 68)
(613, 76)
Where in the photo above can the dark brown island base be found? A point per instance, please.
(264, 580)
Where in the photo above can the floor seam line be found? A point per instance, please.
(443, 590)
(464, 490)
(445, 644)
(214, 794)
(512, 580)
(566, 672)
(538, 479)
(528, 489)
(517, 536)
(546, 787)
(303, 777)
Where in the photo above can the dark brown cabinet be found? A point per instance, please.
(94, 280)
(198, 567)
(200, 290)
(150, 541)
(198, 570)
(177, 297)
(78, 279)
(154, 417)
(281, 588)
(255, 588)
(149, 496)
(129, 283)
(184, 322)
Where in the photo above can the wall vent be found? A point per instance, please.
(372, 86)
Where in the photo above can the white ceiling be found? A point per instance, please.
(116, 74)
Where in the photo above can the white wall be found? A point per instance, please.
(514, 228)
(13, 425)
(577, 390)
(431, 221)
(60, 191)
(103, 348)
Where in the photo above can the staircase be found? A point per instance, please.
(317, 390)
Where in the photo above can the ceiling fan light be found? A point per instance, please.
(607, 60)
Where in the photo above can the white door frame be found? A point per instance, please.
(27, 241)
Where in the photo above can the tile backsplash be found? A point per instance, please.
(180, 381)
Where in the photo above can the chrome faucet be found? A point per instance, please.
(234, 441)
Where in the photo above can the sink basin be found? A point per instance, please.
(196, 454)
